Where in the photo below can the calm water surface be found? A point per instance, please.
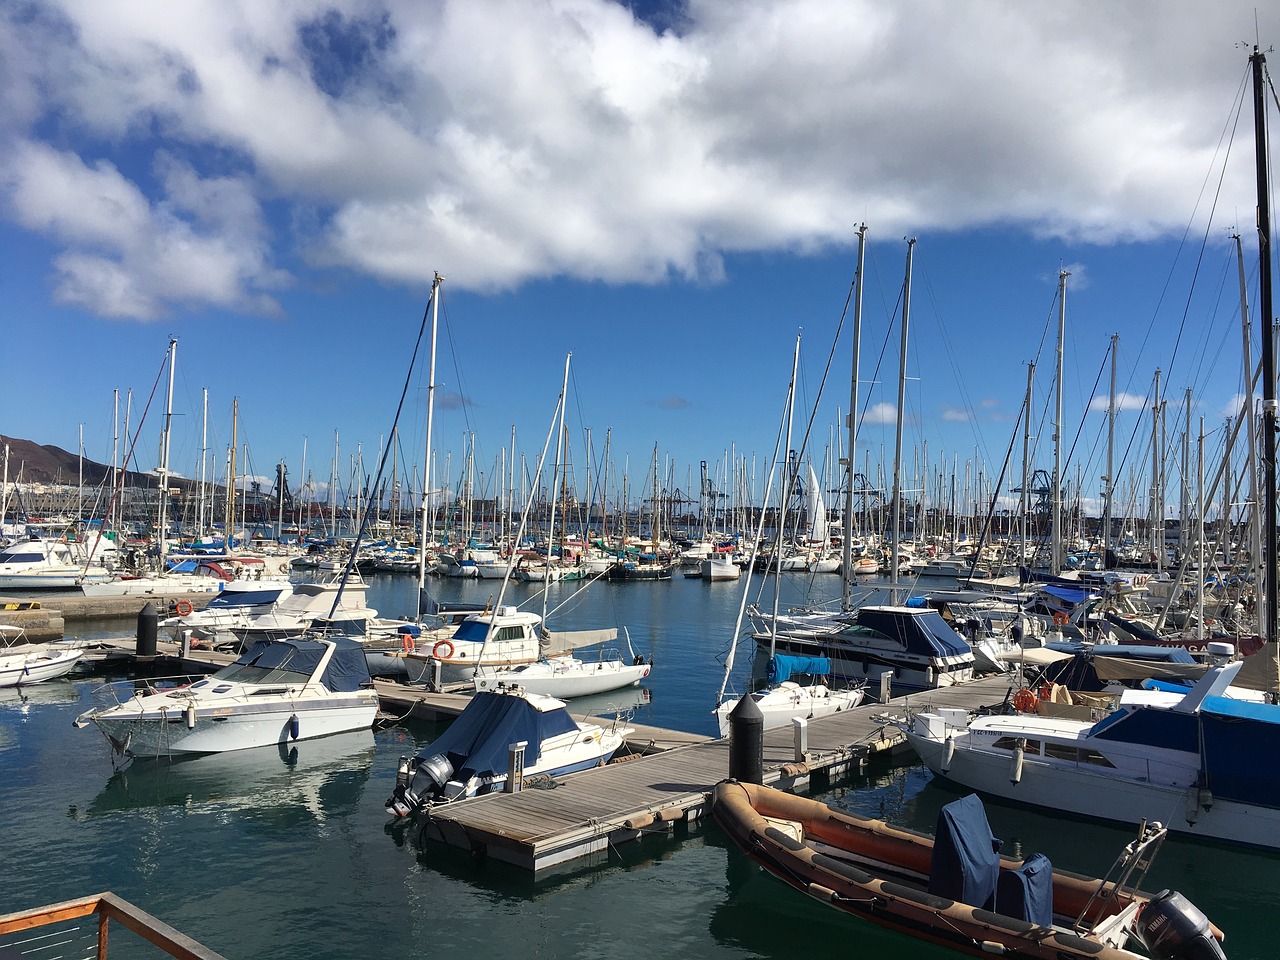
(290, 855)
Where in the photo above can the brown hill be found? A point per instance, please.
(30, 462)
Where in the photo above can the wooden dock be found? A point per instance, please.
(585, 814)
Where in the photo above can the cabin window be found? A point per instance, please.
(1008, 743)
(1061, 751)
(511, 633)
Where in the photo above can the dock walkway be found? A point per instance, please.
(586, 813)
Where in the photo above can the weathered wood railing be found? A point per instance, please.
(31, 932)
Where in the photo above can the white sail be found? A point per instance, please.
(816, 509)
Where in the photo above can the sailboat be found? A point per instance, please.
(783, 699)
(1199, 759)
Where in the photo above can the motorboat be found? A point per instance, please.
(784, 700)
(492, 643)
(52, 563)
(955, 890)
(1196, 757)
(341, 606)
(22, 663)
(567, 676)
(916, 645)
(474, 755)
(278, 692)
(239, 602)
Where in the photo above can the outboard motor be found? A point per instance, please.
(1173, 928)
(430, 777)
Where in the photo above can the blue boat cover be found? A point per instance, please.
(782, 667)
(1241, 741)
(966, 859)
(347, 670)
(1027, 892)
(926, 634)
(476, 743)
(1069, 594)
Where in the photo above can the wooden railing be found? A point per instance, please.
(31, 932)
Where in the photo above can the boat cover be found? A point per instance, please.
(347, 669)
(1027, 892)
(1072, 595)
(782, 667)
(920, 632)
(476, 743)
(966, 859)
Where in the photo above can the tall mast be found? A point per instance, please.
(426, 526)
(1269, 633)
(1055, 560)
(204, 453)
(1247, 411)
(228, 534)
(846, 563)
(164, 456)
(896, 535)
(1110, 481)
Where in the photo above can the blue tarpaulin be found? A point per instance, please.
(1027, 892)
(476, 743)
(781, 668)
(966, 861)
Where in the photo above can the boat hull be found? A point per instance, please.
(583, 681)
(20, 670)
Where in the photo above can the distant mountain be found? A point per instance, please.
(29, 462)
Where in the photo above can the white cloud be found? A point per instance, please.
(880, 413)
(1125, 403)
(573, 140)
(953, 415)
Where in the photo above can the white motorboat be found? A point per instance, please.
(473, 756)
(276, 693)
(720, 566)
(1197, 759)
(916, 645)
(52, 563)
(568, 676)
(22, 663)
(784, 700)
(239, 602)
(312, 602)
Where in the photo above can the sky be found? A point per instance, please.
(670, 192)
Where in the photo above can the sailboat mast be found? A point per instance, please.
(1258, 61)
(164, 456)
(846, 562)
(425, 529)
(896, 534)
(1055, 560)
(1247, 412)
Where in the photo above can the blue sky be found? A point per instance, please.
(669, 191)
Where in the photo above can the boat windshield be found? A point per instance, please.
(276, 663)
(243, 598)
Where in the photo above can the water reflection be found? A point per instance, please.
(311, 779)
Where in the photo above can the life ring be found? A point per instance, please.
(1060, 619)
(407, 642)
(183, 608)
(442, 650)
(1024, 701)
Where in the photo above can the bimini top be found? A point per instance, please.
(476, 744)
(922, 632)
(268, 661)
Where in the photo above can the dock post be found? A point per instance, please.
(886, 683)
(185, 644)
(800, 727)
(746, 742)
(515, 767)
(148, 629)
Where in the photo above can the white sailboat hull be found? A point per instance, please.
(565, 678)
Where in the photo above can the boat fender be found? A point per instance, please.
(183, 608)
(794, 769)
(190, 715)
(670, 814)
(1024, 701)
(639, 821)
(989, 946)
(442, 650)
(1015, 768)
(948, 753)
(294, 727)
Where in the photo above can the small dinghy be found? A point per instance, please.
(956, 890)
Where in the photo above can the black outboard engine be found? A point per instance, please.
(1173, 928)
(417, 781)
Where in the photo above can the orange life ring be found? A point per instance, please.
(1024, 701)
(183, 608)
(442, 650)
(407, 642)
(1061, 619)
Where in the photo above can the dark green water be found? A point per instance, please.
(259, 854)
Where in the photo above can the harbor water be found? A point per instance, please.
(289, 854)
